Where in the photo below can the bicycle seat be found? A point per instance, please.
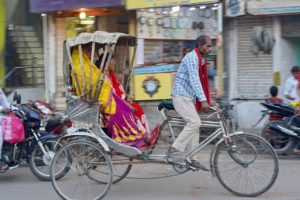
(165, 104)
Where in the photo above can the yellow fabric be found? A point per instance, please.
(107, 103)
(124, 127)
(2, 40)
(295, 104)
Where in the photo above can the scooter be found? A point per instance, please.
(276, 112)
(287, 131)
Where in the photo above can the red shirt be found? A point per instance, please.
(274, 117)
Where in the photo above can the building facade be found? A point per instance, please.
(250, 75)
(154, 25)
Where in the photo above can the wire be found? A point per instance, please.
(149, 178)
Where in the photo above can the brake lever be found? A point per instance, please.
(214, 108)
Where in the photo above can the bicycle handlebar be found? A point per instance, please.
(216, 109)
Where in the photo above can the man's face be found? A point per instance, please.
(295, 74)
(205, 48)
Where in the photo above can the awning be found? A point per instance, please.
(137, 4)
(234, 8)
(37, 6)
(271, 7)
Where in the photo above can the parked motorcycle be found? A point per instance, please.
(276, 113)
(43, 108)
(289, 130)
(38, 147)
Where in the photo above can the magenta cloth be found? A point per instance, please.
(124, 126)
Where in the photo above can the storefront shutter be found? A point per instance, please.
(254, 73)
(290, 26)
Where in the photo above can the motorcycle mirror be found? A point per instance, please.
(19, 99)
(15, 97)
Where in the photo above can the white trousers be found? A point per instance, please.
(189, 136)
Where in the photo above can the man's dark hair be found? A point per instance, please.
(273, 91)
(202, 40)
(295, 69)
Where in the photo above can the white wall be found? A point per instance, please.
(248, 113)
(231, 60)
(29, 94)
(284, 56)
(287, 60)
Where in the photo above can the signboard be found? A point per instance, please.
(136, 4)
(276, 78)
(152, 86)
(184, 24)
(154, 69)
(234, 8)
(37, 6)
(267, 7)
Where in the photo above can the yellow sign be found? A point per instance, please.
(152, 86)
(136, 4)
(276, 78)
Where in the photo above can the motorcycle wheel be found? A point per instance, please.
(39, 164)
(281, 144)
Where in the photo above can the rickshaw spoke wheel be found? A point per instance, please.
(89, 166)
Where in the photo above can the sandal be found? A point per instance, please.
(3, 166)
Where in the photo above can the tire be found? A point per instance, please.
(282, 144)
(39, 164)
(121, 167)
(87, 157)
(247, 166)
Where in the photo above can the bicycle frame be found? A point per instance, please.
(177, 121)
(220, 131)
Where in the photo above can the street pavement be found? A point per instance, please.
(143, 183)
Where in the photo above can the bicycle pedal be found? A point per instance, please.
(194, 169)
(13, 167)
(196, 166)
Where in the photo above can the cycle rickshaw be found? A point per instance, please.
(245, 164)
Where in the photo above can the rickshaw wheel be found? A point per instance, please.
(88, 160)
(121, 167)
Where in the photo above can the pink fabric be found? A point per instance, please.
(12, 129)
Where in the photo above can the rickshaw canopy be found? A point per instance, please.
(102, 37)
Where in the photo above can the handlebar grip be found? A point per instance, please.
(214, 108)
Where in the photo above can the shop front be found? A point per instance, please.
(251, 75)
(66, 19)
(166, 31)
